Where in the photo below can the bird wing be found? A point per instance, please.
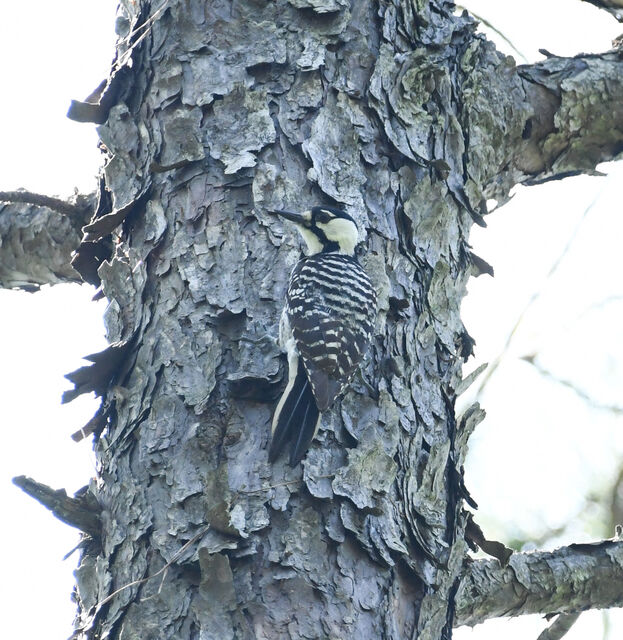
(331, 335)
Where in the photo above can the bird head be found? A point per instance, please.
(325, 229)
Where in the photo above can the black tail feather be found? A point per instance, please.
(283, 430)
(297, 420)
(307, 429)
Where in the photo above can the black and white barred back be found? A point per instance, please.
(331, 307)
(329, 320)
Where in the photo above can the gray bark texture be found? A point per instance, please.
(215, 113)
(37, 237)
(568, 580)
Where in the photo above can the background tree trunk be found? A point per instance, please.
(395, 111)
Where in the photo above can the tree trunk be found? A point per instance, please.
(217, 112)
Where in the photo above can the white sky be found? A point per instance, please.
(532, 461)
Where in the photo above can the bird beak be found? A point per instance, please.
(298, 218)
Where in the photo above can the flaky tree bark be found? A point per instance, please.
(568, 580)
(37, 237)
(215, 113)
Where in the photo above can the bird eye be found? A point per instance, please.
(323, 216)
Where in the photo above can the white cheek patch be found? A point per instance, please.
(342, 231)
(313, 244)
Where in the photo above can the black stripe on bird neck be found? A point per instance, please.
(328, 246)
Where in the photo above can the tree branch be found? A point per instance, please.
(81, 512)
(559, 627)
(568, 580)
(532, 123)
(613, 7)
(577, 121)
(56, 204)
(592, 402)
(38, 235)
(493, 28)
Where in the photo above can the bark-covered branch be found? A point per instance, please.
(578, 115)
(567, 580)
(560, 627)
(546, 121)
(71, 209)
(38, 235)
(81, 511)
(613, 7)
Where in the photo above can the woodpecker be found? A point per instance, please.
(325, 328)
